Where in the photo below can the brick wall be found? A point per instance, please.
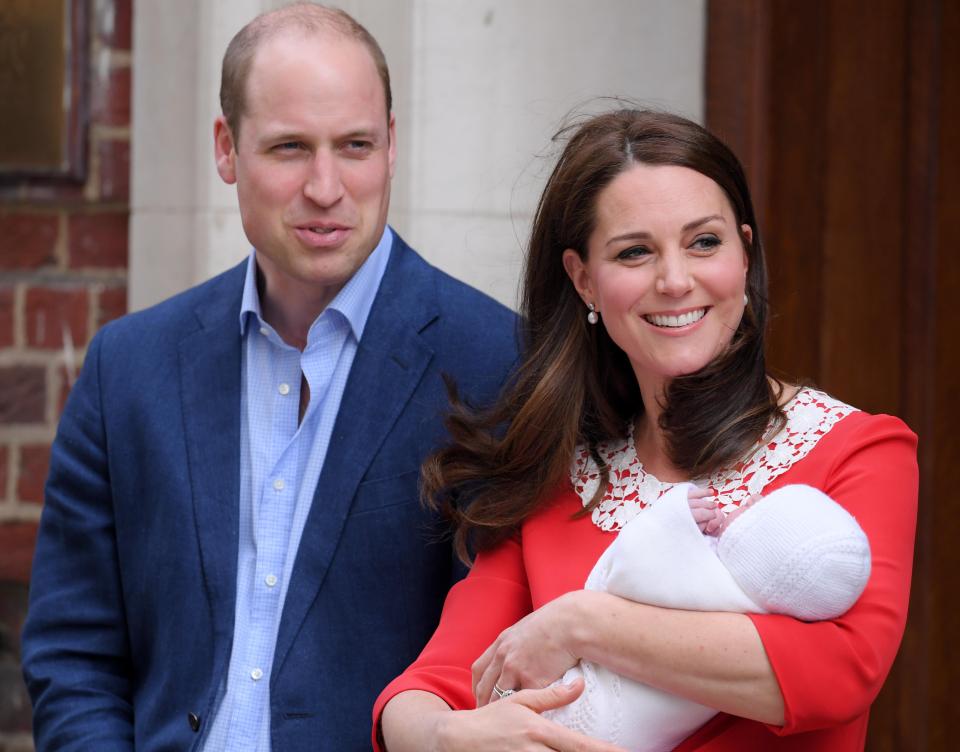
(63, 273)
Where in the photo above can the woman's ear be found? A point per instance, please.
(579, 275)
(746, 231)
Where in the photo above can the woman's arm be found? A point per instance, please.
(416, 721)
(716, 659)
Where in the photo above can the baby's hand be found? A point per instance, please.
(731, 516)
(703, 506)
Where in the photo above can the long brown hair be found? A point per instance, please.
(574, 385)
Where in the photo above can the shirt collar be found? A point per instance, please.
(353, 302)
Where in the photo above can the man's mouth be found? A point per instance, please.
(674, 322)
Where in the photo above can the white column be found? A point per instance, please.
(479, 88)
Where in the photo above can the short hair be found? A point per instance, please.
(305, 17)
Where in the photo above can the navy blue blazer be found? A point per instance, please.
(130, 623)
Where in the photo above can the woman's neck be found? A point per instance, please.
(649, 440)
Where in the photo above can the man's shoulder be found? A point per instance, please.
(178, 315)
(458, 302)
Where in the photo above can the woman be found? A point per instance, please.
(645, 303)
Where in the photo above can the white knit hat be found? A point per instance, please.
(798, 552)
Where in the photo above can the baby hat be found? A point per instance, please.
(797, 552)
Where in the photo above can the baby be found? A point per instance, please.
(793, 552)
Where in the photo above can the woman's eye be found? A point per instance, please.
(634, 252)
(706, 243)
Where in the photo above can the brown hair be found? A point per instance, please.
(304, 17)
(574, 385)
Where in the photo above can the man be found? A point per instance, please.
(232, 554)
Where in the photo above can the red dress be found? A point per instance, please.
(829, 672)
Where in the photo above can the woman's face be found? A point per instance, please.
(666, 270)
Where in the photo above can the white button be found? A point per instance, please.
(263, 331)
(284, 389)
(256, 674)
(278, 484)
(271, 580)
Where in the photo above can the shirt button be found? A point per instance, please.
(284, 389)
(256, 674)
(263, 331)
(278, 484)
(271, 580)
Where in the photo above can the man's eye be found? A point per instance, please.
(288, 146)
(359, 146)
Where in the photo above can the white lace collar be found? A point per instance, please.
(810, 416)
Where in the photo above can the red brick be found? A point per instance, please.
(51, 311)
(111, 304)
(98, 240)
(114, 169)
(15, 715)
(115, 24)
(6, 316)
(64, 385)
(23, 394)
(32, 473)
(27, 240)
(4, 458)
(16, 542)
(111, 98)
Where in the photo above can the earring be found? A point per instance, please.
(746, 300)
(593, 317)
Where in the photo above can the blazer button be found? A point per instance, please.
(194, 720)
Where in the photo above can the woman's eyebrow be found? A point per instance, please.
(702, 221)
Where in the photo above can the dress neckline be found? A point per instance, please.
(810, 413)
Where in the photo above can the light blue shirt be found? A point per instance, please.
(280, 464)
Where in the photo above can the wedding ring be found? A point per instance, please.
(501, 693)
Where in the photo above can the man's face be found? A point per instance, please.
(312, 163)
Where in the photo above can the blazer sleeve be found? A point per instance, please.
(830, 671)
(75, 648)
(494, 595)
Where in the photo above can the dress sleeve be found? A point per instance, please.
(830, 671)
(494, 596)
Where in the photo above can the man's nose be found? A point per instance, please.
(324, 185)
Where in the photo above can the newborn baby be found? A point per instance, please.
(793, 552)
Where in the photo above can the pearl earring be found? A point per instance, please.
(593, 317)
(746, 300)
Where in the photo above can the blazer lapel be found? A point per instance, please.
(210, 388)
(390, 361)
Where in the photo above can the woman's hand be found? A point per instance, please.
(512, 723)
(531, 654)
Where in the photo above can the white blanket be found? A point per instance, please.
(660, 558)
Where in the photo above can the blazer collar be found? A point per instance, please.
(390, 361)
(209, 365)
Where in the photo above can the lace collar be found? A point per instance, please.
(810, 416)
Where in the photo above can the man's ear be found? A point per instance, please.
(224, 150)
(392, 148)
(579, 275)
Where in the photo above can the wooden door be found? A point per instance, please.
(846, 114)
